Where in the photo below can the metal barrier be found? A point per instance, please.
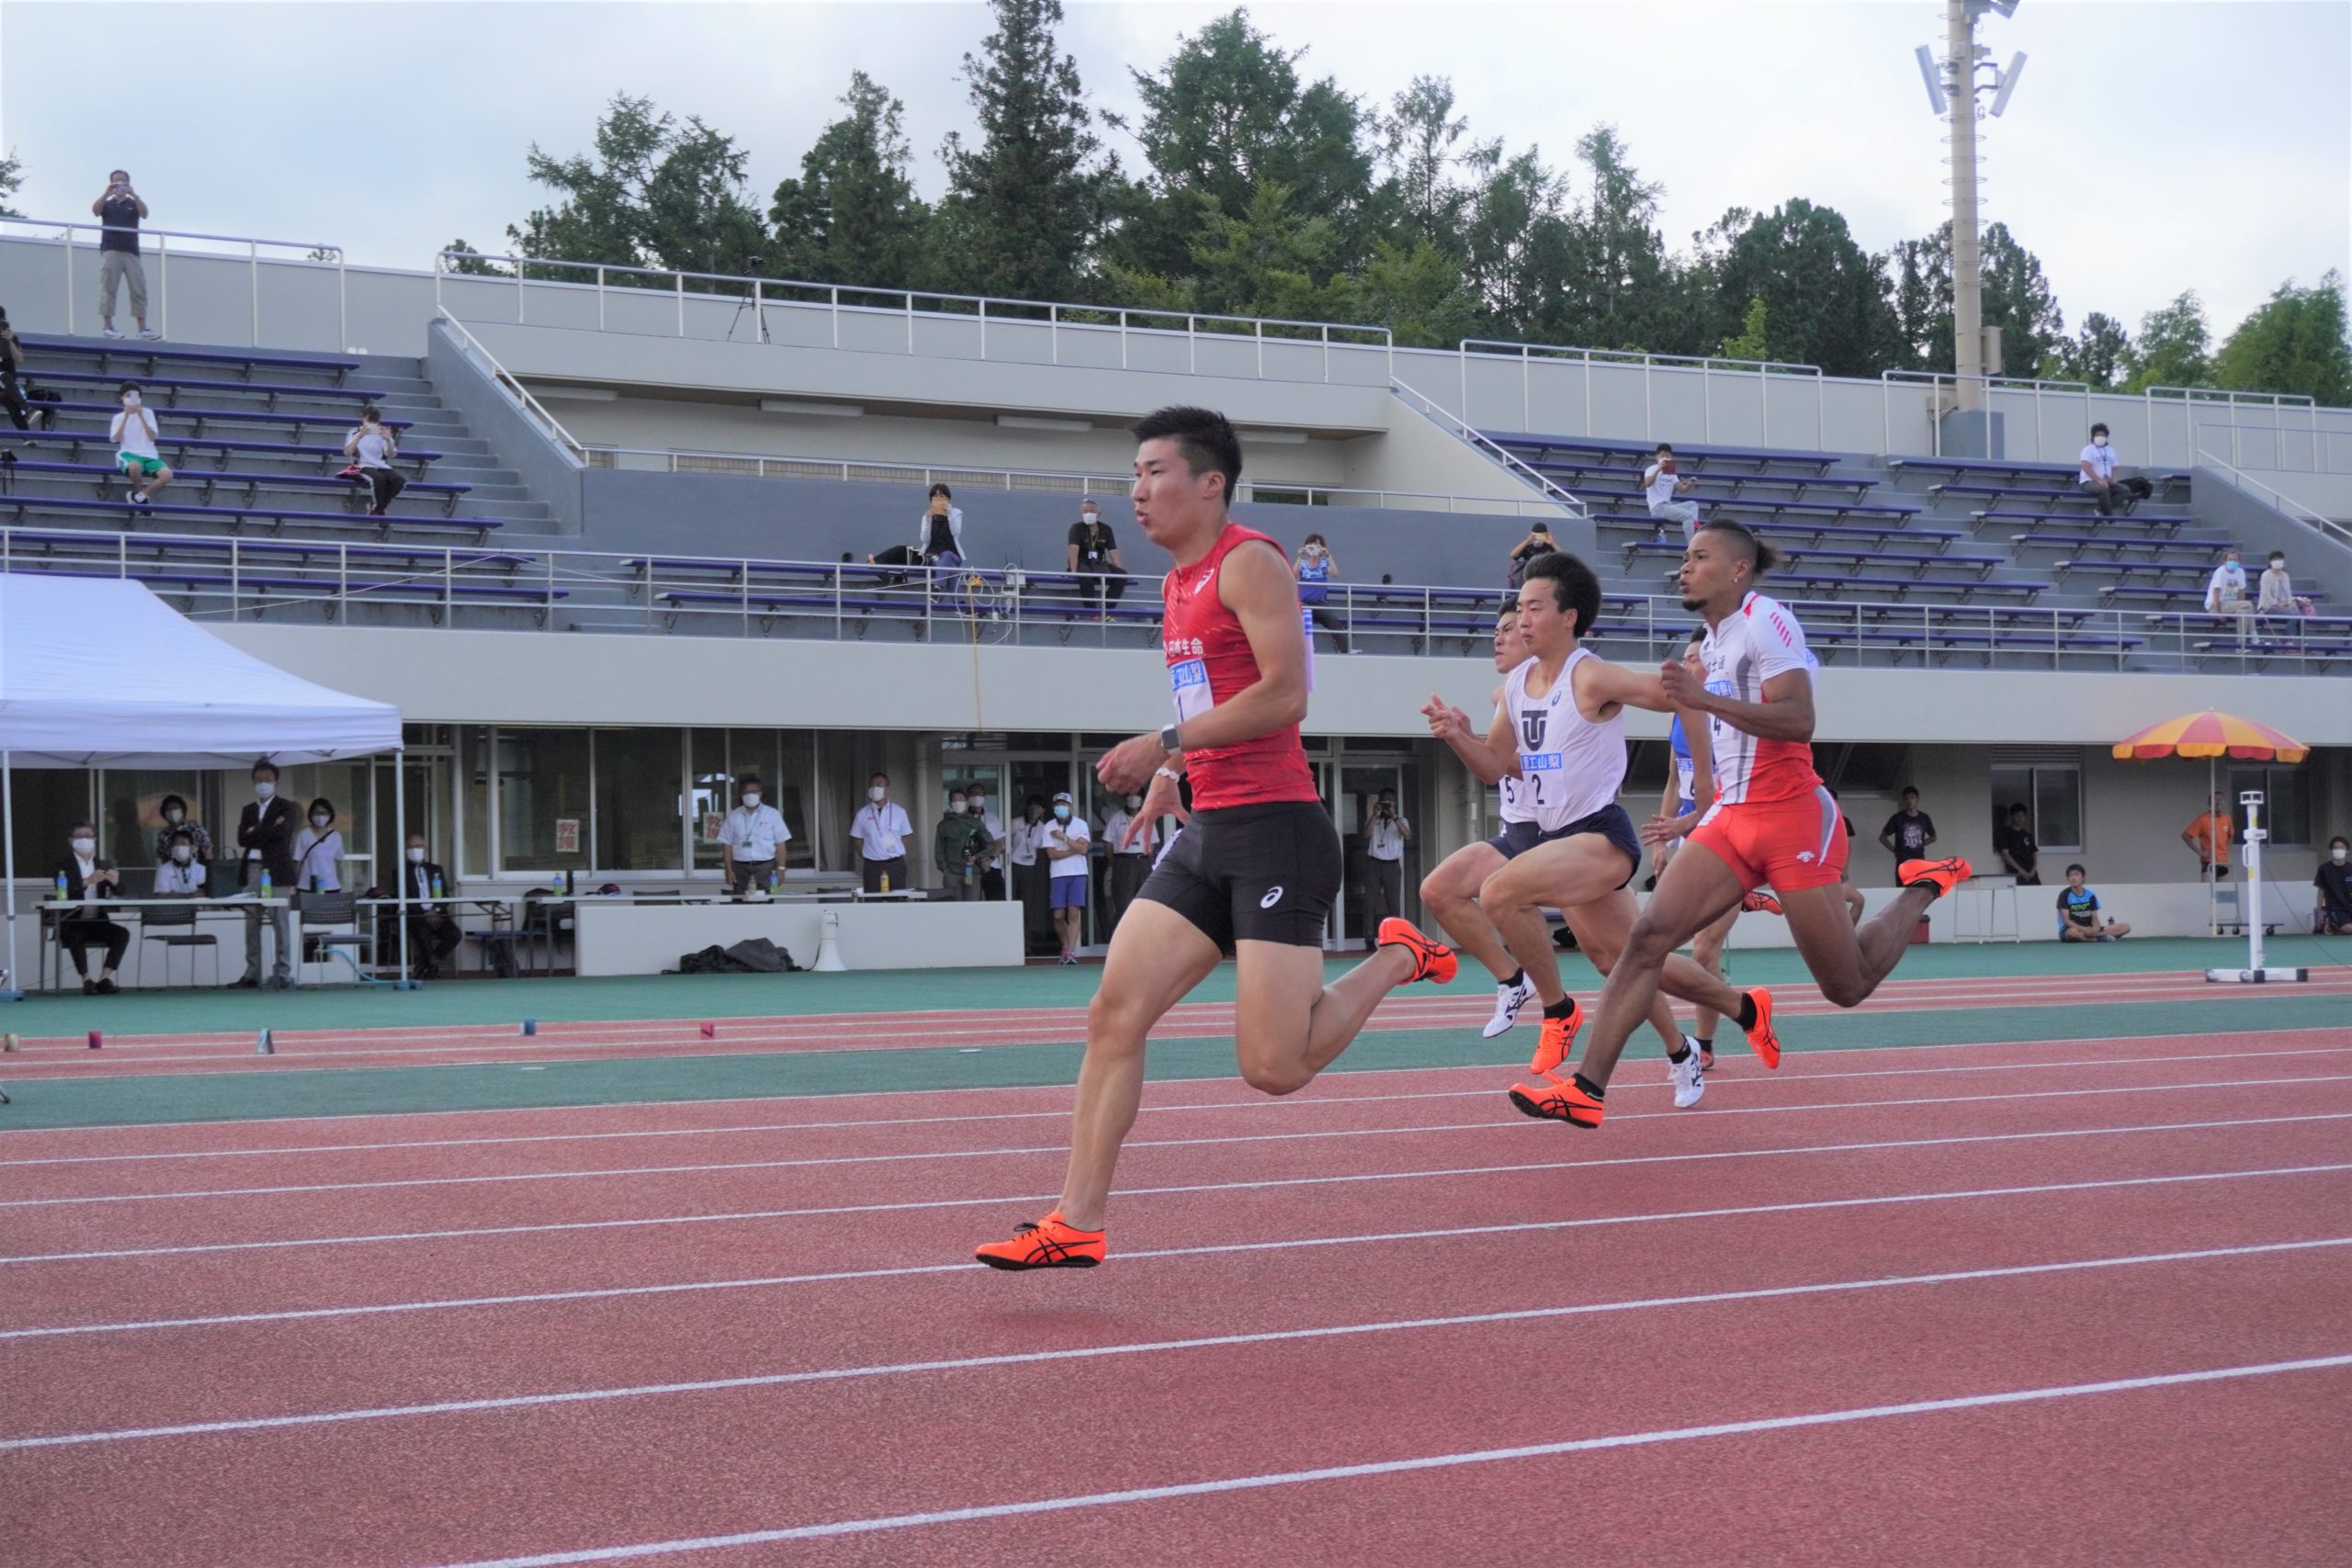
(2325, 525)
(531, 408)
(217, 578)
(756, 295)
(2156, 405)
(1678, 363)
(1479, 442)
(312, 255)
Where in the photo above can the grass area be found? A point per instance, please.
(766, 996)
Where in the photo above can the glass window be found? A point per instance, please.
(543, 800)
(2052, 797)
(473, 859)
(2286, 804)
(712, 793)
(794, 787)
(48, 802)
(637, 803)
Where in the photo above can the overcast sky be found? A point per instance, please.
(2150, 147)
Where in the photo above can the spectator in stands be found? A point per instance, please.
(1660, 484)
(958, 844)
(88, 879)
(120, 208)
(2332, 915)
(1067, 841)
(2079, 914)
(880, 830)
(1386, 838)
(1028, 876)
(318, 850)
(2098, 466)
(1314, 566)
(134, 432)
(1909, 831)
(430, 926)
(2277, 590)
(2019, 853)
(2225, 590)
(1538, 542)
(752, 839)
(12, 361)
(940, 538)
(1094, 553)
(992, 865)
(2210, 837)
(181, 873)
(371, 449)
(1130, 862)
(177, 822)
(265, 834)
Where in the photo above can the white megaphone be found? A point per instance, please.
(828, 946)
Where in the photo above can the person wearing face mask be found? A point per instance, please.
(431, 933)
(880, 830)
(371, 448)
(177, 821)
(752, 839)
(1386, 836)
(1066, 843)
(1130, 862)
(992, 860)
(318, 851)
(265, 840)
(182, 873)
(2333, 913)
(118, 209)
(1312, 568)
(2098, 475)
(2225, 593)
(2277, 596)
(1029, 874)
(1094, 554)
(134, 431)
(958, 844)
(88, 879)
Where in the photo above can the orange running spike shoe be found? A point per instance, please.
(1761, 1038)
(1942, 874)
(1047, 1243)
(1761, 902)
(1431, 960)
(1557, 1099)
(1558, 1038)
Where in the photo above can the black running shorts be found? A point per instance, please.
(1610, 822)
(1252, 874)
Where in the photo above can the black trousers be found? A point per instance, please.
(1384, 891)
(1102, 587)
(432, 937)
(12, 397)
(382, 485)
(872, 872)
(1333, 622)
(77, 937)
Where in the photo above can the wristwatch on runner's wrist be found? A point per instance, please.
(1169, 740)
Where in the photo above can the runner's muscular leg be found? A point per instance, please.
(1287, 1024)
(1848, 961)
(1707, 953)
(1451, 895)
(1600, 929)
(1563, 872)
(1692, 895)
(1157, 956)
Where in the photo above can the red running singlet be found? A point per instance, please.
(1209, 663)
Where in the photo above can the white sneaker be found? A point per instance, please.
(150, 335)
(1509, 1000)
(110, 332)
(1688, 1079)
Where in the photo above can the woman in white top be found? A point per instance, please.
(134, 432)
(371, 449)
(2277, 590)
(318, 851)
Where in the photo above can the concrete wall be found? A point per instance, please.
(552, 474)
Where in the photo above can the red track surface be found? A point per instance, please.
(69, 1057)
(1927, 1305)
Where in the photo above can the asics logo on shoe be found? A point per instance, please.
(1273, 896)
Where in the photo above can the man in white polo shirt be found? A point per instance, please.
(752, 840)
(2099, 471)
(1385, 836)
(1660, 485)
(880, 830)
(1065, 840)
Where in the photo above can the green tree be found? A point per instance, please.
(852, 216)
(653, 194)
(1755, 339)
(2174, 347)
(2294, 342)
(1615, 286)
(11, 177)
(469, 263)
(1826, 298)
(1267, 262)
(1515, 240)
(2100, 356)
(2017, 299)
(1417, 293)
(1027, 206)
(1419, 144)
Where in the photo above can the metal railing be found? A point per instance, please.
(756, 296)
(577, 591)
(1478, 441)
(1274, 492)
(1705, 366)
(2154, 402)
(66, 229)
(2327, 527)
(529, 406)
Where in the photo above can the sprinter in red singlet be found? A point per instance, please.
(1255, 868)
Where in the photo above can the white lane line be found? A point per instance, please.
(1405, 1466)
(1447, 1233)
(1134, 1348)
(1126, 1194)
(1256, 1102)
(1488, 1125)
(632, 1107)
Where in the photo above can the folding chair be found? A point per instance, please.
(335, 909)
(175, 927)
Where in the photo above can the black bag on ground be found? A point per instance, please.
(761, 956)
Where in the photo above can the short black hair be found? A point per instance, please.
(748, 780)
(878, 774)
(1204, 436)
(2098, 430)
(1760, 555)
(323, 804)
(369, 412)
(2019, 810)
(93, 826)
(937, 488)
(1910, 789)
(1666, 448)
(265, 766)
(169, 801)
(2339, 839)
(1574, 586)
(180, 836)
(131, 387)
(2075, 867)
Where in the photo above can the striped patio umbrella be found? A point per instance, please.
(2211, 734)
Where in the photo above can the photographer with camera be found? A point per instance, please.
(1387, 835)
(958, 845)
(1537, 543)
(1660, 485)
(1313, 569)
(371, 448)
(120, 208)
(134, 432)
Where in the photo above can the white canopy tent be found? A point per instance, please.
(99, 672)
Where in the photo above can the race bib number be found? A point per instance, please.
(1190, 680)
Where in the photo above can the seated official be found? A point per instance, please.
(2332, 915)
(2079, 916)
(432, 935)
(86, 880)
(183, 873)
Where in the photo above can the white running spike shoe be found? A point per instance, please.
(1509, 1001)
(1689, 1079)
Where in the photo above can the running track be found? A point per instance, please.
(1956, 1304)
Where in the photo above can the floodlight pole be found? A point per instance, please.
(1967, 278)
